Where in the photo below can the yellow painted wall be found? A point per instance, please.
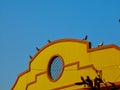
(78, 59)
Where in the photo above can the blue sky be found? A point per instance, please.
(25, 24)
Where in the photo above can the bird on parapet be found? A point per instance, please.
(100, 44)
(49, 41)
(85, 38)
(37, 48)
(30, 56)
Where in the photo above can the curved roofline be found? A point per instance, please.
(89, 49)
(61, 40)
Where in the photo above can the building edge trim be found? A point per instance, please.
(89, 49)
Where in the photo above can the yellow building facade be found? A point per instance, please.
(60, 64)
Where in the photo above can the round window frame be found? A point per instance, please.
(49, 64)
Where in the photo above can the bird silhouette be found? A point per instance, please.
(100, 44)
(49, 41)
(30, 56)
(37, 48)
(85, 38)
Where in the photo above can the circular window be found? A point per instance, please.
(55, 68)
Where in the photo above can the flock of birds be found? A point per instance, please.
(85, 38)
(100, 44)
